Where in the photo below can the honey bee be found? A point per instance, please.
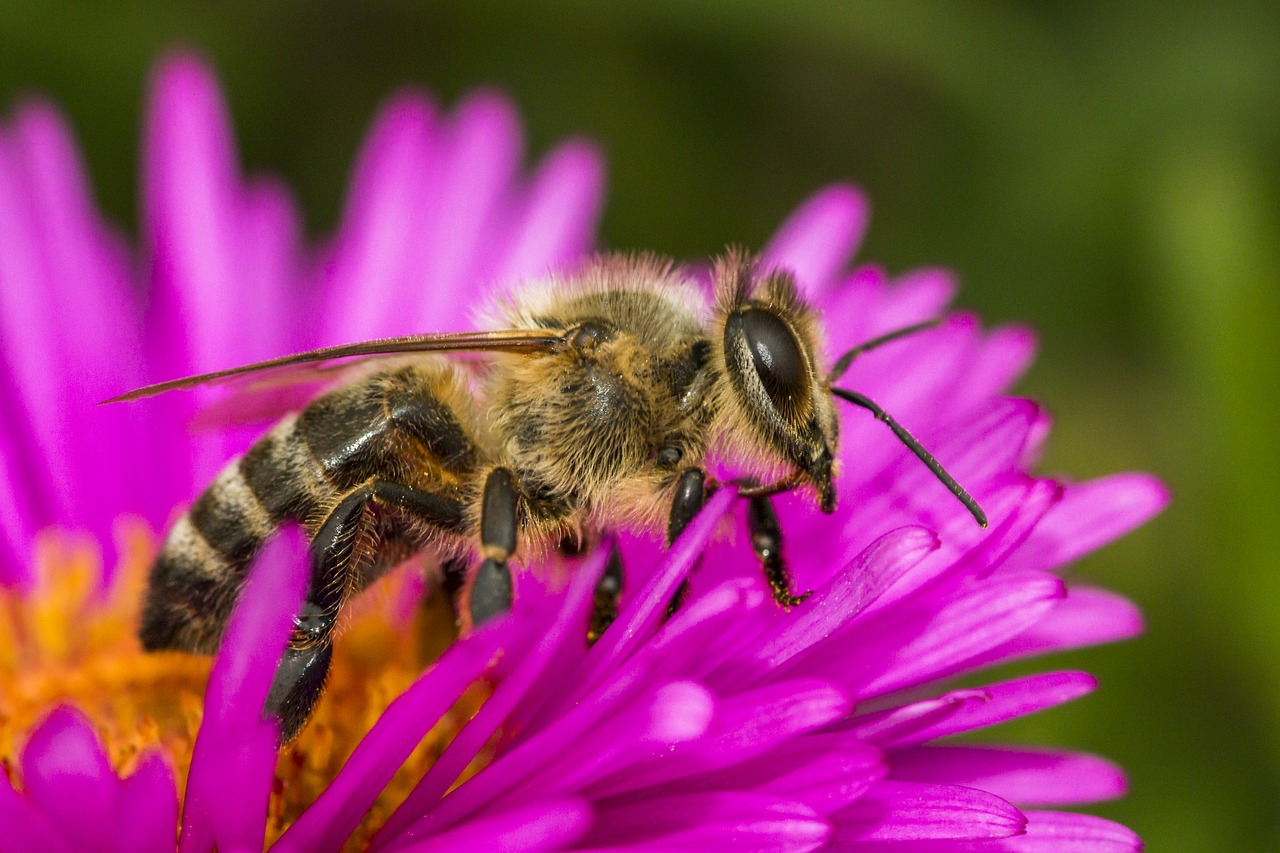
(595, 408)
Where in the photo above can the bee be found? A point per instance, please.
(595, 407)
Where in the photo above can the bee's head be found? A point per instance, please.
(773, 394)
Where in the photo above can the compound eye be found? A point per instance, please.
(776, 355)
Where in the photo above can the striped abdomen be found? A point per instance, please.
(394, 426)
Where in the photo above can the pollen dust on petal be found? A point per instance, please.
(66, 640)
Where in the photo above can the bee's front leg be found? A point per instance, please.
(766, 539)
(491, 592)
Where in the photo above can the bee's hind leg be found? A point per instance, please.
(335, 558)
(766, 539)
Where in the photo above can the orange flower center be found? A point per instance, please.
(69, 641)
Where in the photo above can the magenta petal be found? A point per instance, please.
(26, 829)
(269, 230)
(640, 615)
(1003, 607)
(1004, 356)
(216, 245)
(338, 811)
(1060, 832)
(17, 518)
(710, 821)
(706, 638)
(847, 594)
(32, 364)
(826, 771)
(916, 295)
(468, 742)
(87, 274)
(1014, 509)
(387, 208)
(906, 811)
(820, 237)
(474, 735)
(855, 299)
(975, 708)
(744, 727)
(811, 771)
(988, 445)
(147, 811)
(675, 714)
(66, 774)
(1047, 832)
(1086, 617)
(93, 347)
(542, 826)
(969, 554)
(904, 723)
(1023, 776)
(189, 178)
(233, 761)
(258, 630)
(482, 149)
(587, 741)
(553, 224)
(84, 279)
(1091, 515)
(922, 372)
(73, 792)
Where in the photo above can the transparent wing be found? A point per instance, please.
(325, 365)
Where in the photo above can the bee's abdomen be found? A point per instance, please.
(397, 427)
(199, 572)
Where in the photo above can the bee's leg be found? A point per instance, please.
(440, 610)
(335, 556)
(766, 539)
(690, 496)
(604, 605)
(453, 575)
(491, 593)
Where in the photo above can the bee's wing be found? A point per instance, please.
(318, 366)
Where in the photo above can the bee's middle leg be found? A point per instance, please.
(335, 563)
(690, 497)
(766, 539)
(491, 591)
(605, 600)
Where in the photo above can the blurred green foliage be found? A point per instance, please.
(1105, 172)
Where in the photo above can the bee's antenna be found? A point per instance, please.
(843, 362)
(915, 447)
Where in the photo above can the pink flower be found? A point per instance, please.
(438, 208)
(731, 723)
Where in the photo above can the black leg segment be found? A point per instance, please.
(766, 539)
(297, 686)
(690, 496)
(492, 593)
(604, 604)
(300, 677)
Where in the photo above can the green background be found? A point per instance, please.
(1106, 172)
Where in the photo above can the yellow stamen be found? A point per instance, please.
(66, 641)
